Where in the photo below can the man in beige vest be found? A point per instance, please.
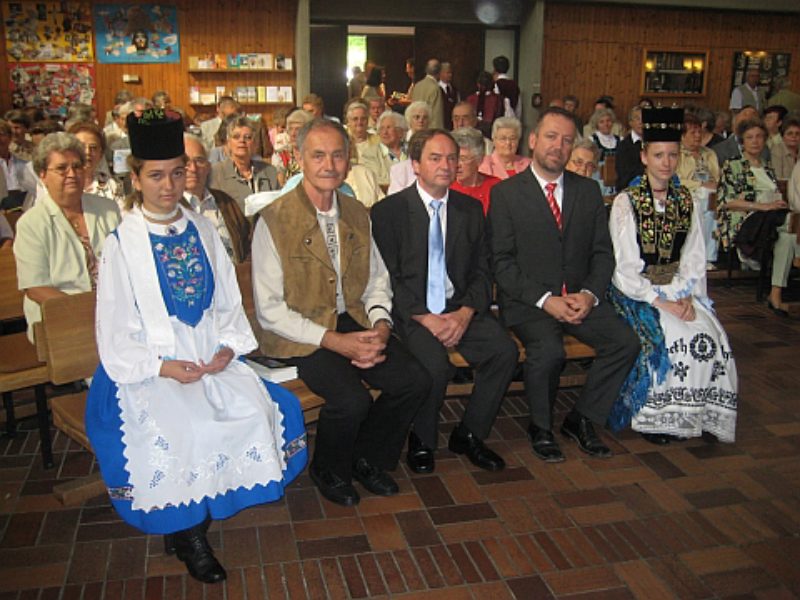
(749, 93)
(324, 301)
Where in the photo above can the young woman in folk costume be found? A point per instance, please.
(183, 431)
(684, 383)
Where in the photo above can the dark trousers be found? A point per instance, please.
(614, 343)
(488, 348)
(351, 424)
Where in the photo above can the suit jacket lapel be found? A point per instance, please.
(567, 205)
(454, 228)
(539, 201)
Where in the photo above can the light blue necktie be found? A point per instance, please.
(437, 272)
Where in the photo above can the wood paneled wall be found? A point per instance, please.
(590, 50)
(216, 26)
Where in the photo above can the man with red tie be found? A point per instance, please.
(553, 261)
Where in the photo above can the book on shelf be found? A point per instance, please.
(272, 93)
(220, 92)
(285, 94)
(261, 94)
(233, 61)
(194, 95)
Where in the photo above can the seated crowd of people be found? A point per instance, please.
(389, 240)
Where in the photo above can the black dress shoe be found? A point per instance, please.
(333, 488)
(375, 480)
(191, 546)
(709, 438)
(419, 457)
(777, 309)
(463, 441)
(581, 429)
(659, 439)
(544, 444)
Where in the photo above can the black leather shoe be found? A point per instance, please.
(463, 441)
(193, 549)
(376, 481)
(544, 444)
(709, 438)
(777, 309)
(419, 457)
(581, 429)
(659, 439)
(334, 488)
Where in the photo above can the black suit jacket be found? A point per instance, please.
(532, 257)
(400, 224)
(628, 161)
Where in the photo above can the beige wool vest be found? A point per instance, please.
(309, 278)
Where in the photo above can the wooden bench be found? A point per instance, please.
(575, 350)
(71, 353)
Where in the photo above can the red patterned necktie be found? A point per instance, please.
(551, 200)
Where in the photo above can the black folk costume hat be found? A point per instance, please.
(662, 124)
(156, 135)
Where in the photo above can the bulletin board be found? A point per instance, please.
(136, 33)
(52, 86)
(48, 31)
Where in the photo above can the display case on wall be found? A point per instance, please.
(678, 73)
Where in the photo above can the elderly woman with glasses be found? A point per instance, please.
(98, 181)
(504, 161)
(241, 174)
(418, 117)
(469, 180)
(60, 239)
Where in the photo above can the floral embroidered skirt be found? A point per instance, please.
(221, 454)
(698, 391)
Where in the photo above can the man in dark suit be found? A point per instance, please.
(434, 244)
(553, 261)
(628, 160)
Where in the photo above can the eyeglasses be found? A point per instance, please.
(247, 137)
(62, 170)
(198, 161)
(579, 162)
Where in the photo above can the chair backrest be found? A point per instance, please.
(68, 325)
(244, 275)
(609, 170)
(10, 296)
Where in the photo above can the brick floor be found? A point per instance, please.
(689, 520)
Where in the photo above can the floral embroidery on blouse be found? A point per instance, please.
(183, 266)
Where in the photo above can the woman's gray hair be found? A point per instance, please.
(507, 123)
(238, 122)
(57, 142)
(415, 107)
(298, 116)
(599, 114)
(353, 106)
(396, 118)
(470, 139)
(587, 144)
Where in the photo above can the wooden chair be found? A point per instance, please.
(608, 171)
(71, 351)
(20, 366)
